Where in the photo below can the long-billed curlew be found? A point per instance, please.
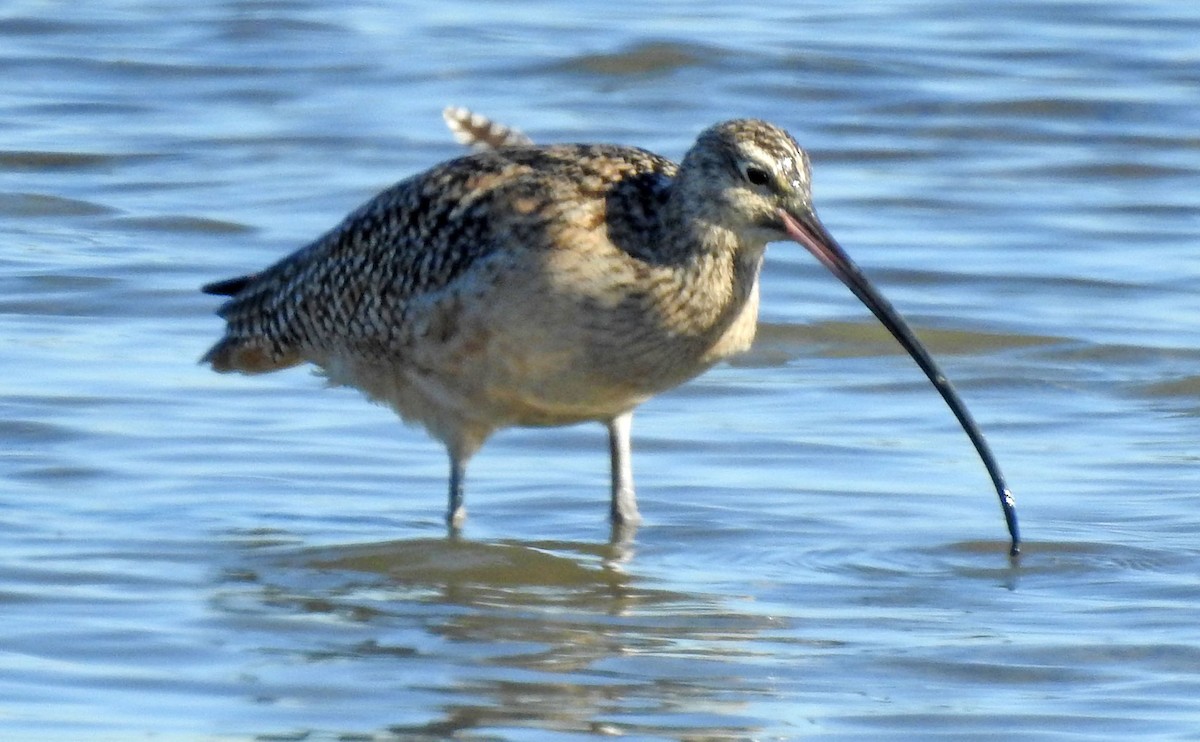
(549, 285)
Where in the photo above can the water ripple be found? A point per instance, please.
(645, 58)
(822, 555)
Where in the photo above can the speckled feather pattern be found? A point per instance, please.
(413, 240)
(526, 285)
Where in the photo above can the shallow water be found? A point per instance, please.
(194, 556)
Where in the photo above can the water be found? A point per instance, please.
(197, 557)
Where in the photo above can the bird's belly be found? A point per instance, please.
(532, 353)
(546, 386)
(493, 385)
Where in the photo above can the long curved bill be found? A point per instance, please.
(806, 229)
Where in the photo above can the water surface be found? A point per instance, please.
(194, 556)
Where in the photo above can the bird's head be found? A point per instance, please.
(754, 181)
(750, 174)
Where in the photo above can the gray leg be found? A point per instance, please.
(624, 511)
(456, 513)
(461, 446)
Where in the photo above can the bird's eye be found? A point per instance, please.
(757, 176)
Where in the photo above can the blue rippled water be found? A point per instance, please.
(200, 557)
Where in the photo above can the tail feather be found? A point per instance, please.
(248, 357)
(247, 353)
(479, 131)
(229, 286)
(254, 337)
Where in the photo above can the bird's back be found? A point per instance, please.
(366, 286)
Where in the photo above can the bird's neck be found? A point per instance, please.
(715, 275)
(705, 274)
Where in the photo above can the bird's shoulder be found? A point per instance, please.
(434, 224)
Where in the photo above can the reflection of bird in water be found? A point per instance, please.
(547, 285)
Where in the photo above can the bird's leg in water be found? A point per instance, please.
(623, 511)
(456, 512)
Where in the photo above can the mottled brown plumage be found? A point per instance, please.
(536, 285)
